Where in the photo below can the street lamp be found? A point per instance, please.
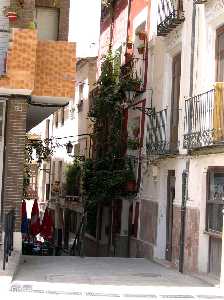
(69, 147)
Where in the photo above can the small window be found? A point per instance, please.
(62, 116)
(81, 89)
(56, 119)
(215, 199)
(47, 20)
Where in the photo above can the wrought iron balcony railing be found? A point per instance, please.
(170, 15)
(203, 121)
(135, 69)
(156, 141)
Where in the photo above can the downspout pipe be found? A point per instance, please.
(185, 173)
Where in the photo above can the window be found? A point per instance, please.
(215, 199)
(56, 119)
(47, 20)
(47, 129)
(62, 116)
(220, 54)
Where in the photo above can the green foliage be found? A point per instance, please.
(105, 177)
(133, 144)
(42, 151)
(73, 174)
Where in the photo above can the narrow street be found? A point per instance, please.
(100, 278)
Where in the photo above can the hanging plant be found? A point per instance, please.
(141, 49)
(141, 35)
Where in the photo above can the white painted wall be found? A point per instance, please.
(161, 51)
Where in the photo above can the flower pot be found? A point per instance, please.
(129, 45)
(141, 35)
(131, 186)
(141, 50)
(12, 16)
(128, 57)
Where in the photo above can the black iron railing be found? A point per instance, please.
(9, 224)
(200, 128)
(156, 141)
(135, 69)
(170, 15)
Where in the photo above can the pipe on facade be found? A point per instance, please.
(185, 173)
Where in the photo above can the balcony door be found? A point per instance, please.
(220, 55)
(174, 120)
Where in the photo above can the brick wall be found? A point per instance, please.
(16, 114)
(47, 68)
(55, 69)
(21, 60)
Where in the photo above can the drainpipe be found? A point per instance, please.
(186, 171)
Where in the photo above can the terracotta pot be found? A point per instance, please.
(141, 50)
(131, 186)
(129, 45)
(12, 16)
(141, 35)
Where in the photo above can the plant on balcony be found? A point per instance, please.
(12, 12)
(42, 152)
(141, 49)
(141, 34)
(132, 83)
(129, 44)
(133, 144)
(73, 176)
(131, 185)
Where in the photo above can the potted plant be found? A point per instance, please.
(141, 35)
(128, 57)
(131, 185)
(11, 12)
(141, 49)
(129, 44)
(133, 144)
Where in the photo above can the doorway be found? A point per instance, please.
(169, 212)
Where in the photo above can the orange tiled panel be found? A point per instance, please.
(21, 59)
(55, 69)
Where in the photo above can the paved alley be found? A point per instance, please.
(106, 277)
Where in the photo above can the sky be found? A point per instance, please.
(84, 26)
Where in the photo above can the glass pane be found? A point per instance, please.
(215, 217)
(216, 190)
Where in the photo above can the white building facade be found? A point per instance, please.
(181, 195)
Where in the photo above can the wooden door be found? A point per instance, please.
(169, 213)
(176, 74)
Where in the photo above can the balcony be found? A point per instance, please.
(203, 121)
(44, 71)
(135, 69)
(156, 140)
(170, 15)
